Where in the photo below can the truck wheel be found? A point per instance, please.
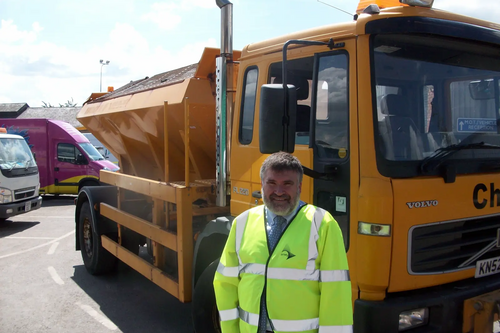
(97, 259)
(205, 313)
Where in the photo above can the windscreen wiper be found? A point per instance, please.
(430, 163)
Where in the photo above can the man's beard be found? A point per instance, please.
(281, 208)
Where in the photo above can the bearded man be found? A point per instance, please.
(284, 266)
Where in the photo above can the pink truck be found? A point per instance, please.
(66, 159)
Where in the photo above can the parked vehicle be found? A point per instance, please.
(394, 116)
(66, 160)
(19, 180)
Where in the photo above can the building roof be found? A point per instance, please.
(65, 114)
(12, 110)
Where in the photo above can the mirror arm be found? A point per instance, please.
(286, 118)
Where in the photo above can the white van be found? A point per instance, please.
(19, 179)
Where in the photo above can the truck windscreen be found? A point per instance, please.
(15, 154)
(432, 94)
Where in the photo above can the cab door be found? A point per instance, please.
(69, 166)
(331, 137)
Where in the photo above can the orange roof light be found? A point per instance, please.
(392, 3)
(3, 130)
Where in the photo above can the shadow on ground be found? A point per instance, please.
(8, 228)
(133, 303)
(58, 200)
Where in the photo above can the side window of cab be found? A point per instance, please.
(247, 114)
(66, 153)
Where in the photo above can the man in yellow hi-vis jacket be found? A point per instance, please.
(284, 266)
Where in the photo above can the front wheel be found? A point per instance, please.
(97, 260)
(205, 313)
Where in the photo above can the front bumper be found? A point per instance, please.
(445, 303)
(19, 207)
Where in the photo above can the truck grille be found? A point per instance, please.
(24, 193)
(443, 247)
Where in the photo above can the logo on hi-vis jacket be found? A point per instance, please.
(287, 253)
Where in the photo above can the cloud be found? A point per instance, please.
(163, 15)
(168, 16)
(10, 34)
(474, 9)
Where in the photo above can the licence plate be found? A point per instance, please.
(487, 267)
(27, 206)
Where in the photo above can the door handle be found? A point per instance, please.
(257, 194)
(56, 169)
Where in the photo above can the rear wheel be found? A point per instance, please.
(205, 313)
(97, 260)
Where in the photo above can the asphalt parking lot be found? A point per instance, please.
(44, 286)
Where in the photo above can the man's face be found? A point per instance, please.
(281, 191)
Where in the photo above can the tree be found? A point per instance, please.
(68, 104)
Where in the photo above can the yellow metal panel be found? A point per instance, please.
(142, 266)
(445, 207)
(185, 243)
(140, 226)
(373, 261)
(155, 189)
(480, 312)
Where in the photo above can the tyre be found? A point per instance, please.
(205, 313)
(97, 260)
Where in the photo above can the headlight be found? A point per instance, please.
(374, 229)
(413, 318)
(5, 195)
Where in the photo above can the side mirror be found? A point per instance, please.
(80, 159)
(272, 136)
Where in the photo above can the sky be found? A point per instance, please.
(50, 50)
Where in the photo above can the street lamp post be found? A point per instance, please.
(103, 63)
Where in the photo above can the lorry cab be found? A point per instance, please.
(19, 181)
(66, 159)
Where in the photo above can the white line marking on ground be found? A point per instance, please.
(39, 246)
(55, 276)
(18, 237)
(97, 316)
(39, 217)
(52, 248)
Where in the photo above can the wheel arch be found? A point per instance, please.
(87, 180)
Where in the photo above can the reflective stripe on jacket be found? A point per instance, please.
(306, 277)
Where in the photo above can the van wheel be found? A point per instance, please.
(205, 313)
(97, 260)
